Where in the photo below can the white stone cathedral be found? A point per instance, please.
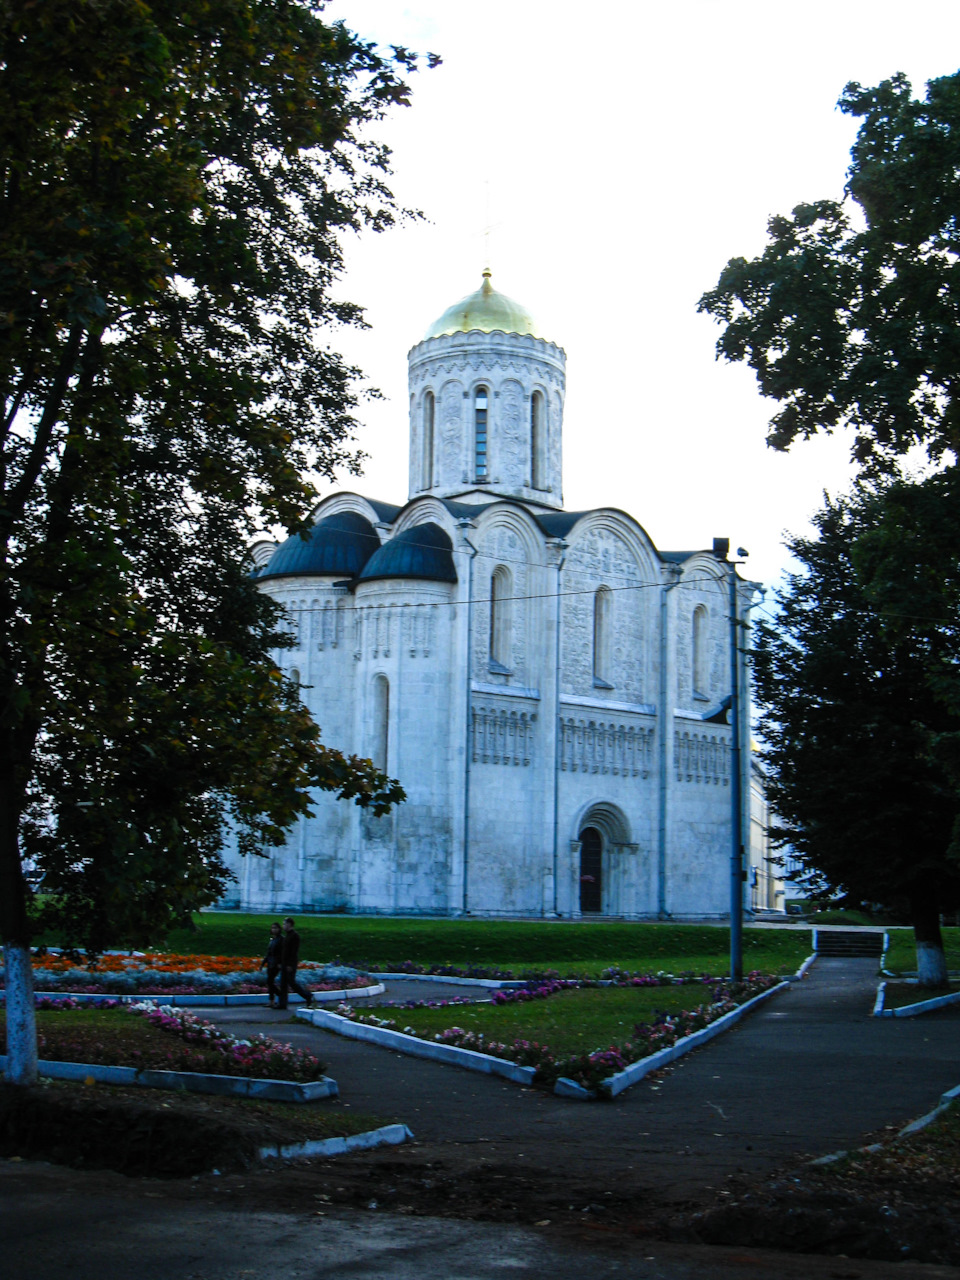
(548, 687)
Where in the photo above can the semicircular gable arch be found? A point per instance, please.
(355, 502)
(624, 528)
(518, 521)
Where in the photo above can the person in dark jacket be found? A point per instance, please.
(289, 959)
(271, 962)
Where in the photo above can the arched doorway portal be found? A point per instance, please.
(591, 870)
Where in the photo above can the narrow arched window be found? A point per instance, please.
(429, 413)
(501, 622)
(602, 623)
(480, 432)
(536, 441)
(381, 722)
(699, 652)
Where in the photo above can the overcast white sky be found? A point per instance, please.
(629, 151)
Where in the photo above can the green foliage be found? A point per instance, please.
(853, 318)
(852, 725)
(569, 1022)
(511, 944)
(175, 182)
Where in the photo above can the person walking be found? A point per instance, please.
(289, 959)
(272, 963)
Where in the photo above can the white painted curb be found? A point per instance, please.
(390, 1135)
(637, 1070)
(417, 1048)
(189, 1081)
(946, 1099)
(912, 1010)
(508, 983)
(211, 1001)
(802, 971)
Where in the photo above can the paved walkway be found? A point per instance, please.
(810, 1071)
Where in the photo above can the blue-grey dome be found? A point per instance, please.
(425, 551)
(337, 545)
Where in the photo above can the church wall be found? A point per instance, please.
(404, 632)
(699, 845)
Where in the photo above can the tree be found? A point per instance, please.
(175, 180)
(851, 318)
(859, 778)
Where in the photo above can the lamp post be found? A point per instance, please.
(721, 548)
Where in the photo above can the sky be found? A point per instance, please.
(620, 154)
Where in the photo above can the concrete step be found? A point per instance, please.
(848, 942)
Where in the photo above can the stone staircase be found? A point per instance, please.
(848, 942)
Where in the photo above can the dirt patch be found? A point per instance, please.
(901, 1201)
(152, 1133)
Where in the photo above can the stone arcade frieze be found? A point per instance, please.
(502, 735)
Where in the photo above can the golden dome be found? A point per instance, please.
(485, 310)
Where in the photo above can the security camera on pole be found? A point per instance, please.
(721, 548)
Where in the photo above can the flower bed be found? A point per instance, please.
(164, 1039)
(592, 1068)
(159, 973)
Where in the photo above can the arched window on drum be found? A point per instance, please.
(537, 441)
(429, 416)
(480, 433)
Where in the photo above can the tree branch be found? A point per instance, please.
(20, 492)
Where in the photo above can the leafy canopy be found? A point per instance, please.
(854, 728)
(176, 179)
(851, 316)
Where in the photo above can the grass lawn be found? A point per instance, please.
(578, 1021)
(902, 953)
(570, 947)
(118, 1038)
(898, 994)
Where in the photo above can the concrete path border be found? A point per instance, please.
(912, 1010)
(489, 983)
(189, 1081)
(388, 1135)
(417, 1048)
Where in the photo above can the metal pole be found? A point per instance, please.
(561, 547)
(664, 722)
(468, 744)
(736, 796)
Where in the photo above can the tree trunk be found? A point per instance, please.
(15, 932)
(21, 1015)
(931, 961)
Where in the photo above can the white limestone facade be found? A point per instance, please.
(547, 686)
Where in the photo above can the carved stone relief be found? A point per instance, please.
(590, 746)
(451, 434)
(603, 559)
(701, 757)
(501, 736)
(509, 440)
